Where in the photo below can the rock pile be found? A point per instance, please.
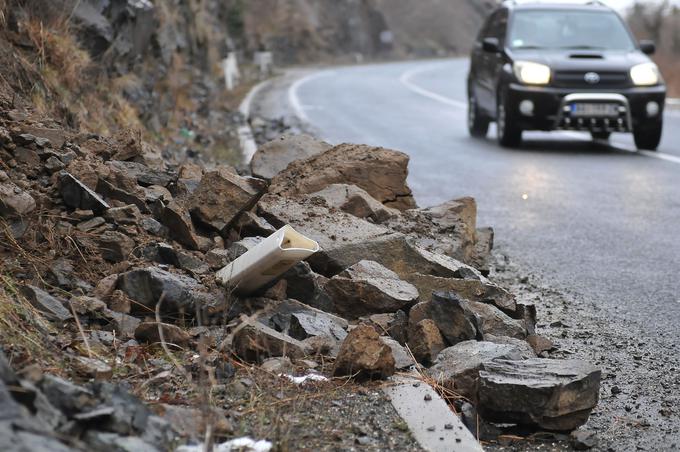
(134, 243)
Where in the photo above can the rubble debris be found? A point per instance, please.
(355, 201)
(78, 196)
(15, 202)
(458, 367)
(221, 196)
(402, 358)
(51, 306)
(494, 321)
(300, 321)
(255, 341)
(172, 334)
(547, 393)
(425, 341)
(364, 355)
(178, 221)
(274, 156)
(455, 319)
(366, 288)
(380, 172)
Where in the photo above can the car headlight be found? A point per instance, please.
(645, 74)
(532, 73)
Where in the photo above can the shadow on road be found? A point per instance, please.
(565, 146)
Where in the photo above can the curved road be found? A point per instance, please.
(599, 222)
(595, 218)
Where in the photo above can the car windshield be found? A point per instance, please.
(565, 29)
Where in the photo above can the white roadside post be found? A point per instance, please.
(231, 72)
(265, 62)
(267, 260)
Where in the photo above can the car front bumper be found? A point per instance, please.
(550, 107)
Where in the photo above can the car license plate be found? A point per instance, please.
(583, 109)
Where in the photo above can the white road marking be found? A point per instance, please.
(406, 77)
(247, 103)
(405, 80)
(293, 94)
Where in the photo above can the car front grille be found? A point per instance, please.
(577, 79)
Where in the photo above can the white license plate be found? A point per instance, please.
(583, 109)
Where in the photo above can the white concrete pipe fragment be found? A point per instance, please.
(267, 260)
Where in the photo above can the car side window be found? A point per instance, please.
(487, 29)
(499, 26)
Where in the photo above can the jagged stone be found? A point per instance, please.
(274, 156)
(355, 201)
(364, 355)
(301, 321)
(367, 287)
(425, 341)
(381, 172)
(392, 324)
(149, 332)
(540, 344)
(255, 341)
(124, 325)
(402, 358)
(305, 285)
(115, 246)
(144, 175)
(482, 252)
(551, 394)
(458, 367)
(91, 224)
(87, 305)
(458, 219)
(15, 202)
(481, 290)
(66, 396)
(180, 292)
(523, 346)
(178, 221)
(221, 197)
(454, 318)
(92, 368)
(52, 307)
(494, 321)
(78, 196)
(129, 214)
(249, 224)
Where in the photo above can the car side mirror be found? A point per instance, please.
(491, 45)
(647, 47)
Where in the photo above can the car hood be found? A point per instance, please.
(588, 60)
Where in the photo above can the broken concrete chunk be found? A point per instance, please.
(355, 201)
(221, 197)
(274, 156)
(551, 394)
(381, 172)
(78, 196)
(254, 342)
(367, 287)
(458, 367)
(52, 307)
(425, 341)
(15, 202)
(364, 355)
(455, 319)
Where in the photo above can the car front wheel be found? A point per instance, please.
(478, 124)
(509, 134)
(648, 137)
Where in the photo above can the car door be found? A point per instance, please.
(492, 64)
(478, 66)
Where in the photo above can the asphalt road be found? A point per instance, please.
(597, 221)
(594, 218)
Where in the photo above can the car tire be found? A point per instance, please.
(478, 123)
(648, 138)
(604, 136)
(509, 134)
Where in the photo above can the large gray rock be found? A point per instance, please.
(301, 321)
(402, 358)
(458, 367)
(355, 201)
(365, 355)
(221, 197)
(547, 393)
(255, 342)
(274, 156)
(52, 307)
(180, 292)
(494, 321)
(455, 319)
(15, 202)
(304, 285)
(366, 288)
(381, 172)
(78, 196)
(473, 289)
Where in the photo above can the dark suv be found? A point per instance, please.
(563, 67)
